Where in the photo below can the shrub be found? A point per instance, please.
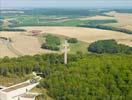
(50, 46)
(72, 40)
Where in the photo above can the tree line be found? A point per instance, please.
(107, 28)
(12, 29)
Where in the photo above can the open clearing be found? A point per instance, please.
(27, 44)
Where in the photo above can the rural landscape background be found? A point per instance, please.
(99, 48)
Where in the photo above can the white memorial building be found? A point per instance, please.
(19, 91)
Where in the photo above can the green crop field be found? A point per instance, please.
(54, 21)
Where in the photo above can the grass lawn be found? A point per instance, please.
(80, 46)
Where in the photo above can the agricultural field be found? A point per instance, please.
(39, 17)
(67, 18)
(97, 17)
(68, 24)
(22, 43)
(55, 21)
(122, 18)
(27, 44)
(85, 34)
(4, 51)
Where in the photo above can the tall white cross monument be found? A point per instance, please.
(65, 51)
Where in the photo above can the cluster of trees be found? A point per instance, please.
(51, 43)
(72, 40)
(107, 28)
(109, 46)
(85, 77)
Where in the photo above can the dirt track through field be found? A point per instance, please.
(7, 44)
(5, 51)
(21, 44)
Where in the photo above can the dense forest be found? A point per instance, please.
(72, 40)
(85, 77)
(93, 77)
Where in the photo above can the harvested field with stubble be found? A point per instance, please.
(4, 51)
(124, 19)
(86, 34)
(27, 44)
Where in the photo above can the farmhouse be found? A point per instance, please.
(19, 91)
